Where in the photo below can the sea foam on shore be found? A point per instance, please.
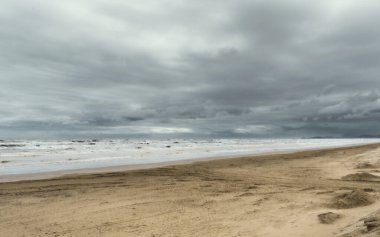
(33, 156)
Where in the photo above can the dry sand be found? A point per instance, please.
(312, 193)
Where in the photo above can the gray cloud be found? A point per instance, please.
(189, 69)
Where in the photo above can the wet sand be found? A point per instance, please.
(268, 195)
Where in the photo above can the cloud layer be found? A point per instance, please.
(189, 68)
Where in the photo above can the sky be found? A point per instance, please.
(181, 68)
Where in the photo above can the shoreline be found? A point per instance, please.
(265, 195)
(120, 168)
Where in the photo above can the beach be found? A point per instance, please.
(326, 192)
(189, 118)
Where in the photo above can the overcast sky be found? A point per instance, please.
(181, 68)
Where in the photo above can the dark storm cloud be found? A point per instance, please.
(189, 68)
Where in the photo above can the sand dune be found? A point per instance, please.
(313, 193)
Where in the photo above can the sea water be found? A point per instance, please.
(38, 156)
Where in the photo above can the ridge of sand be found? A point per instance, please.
(271, 195)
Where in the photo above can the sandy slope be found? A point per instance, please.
(276, 195)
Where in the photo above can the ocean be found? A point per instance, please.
(39, 156)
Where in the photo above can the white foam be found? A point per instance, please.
(49, 156)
